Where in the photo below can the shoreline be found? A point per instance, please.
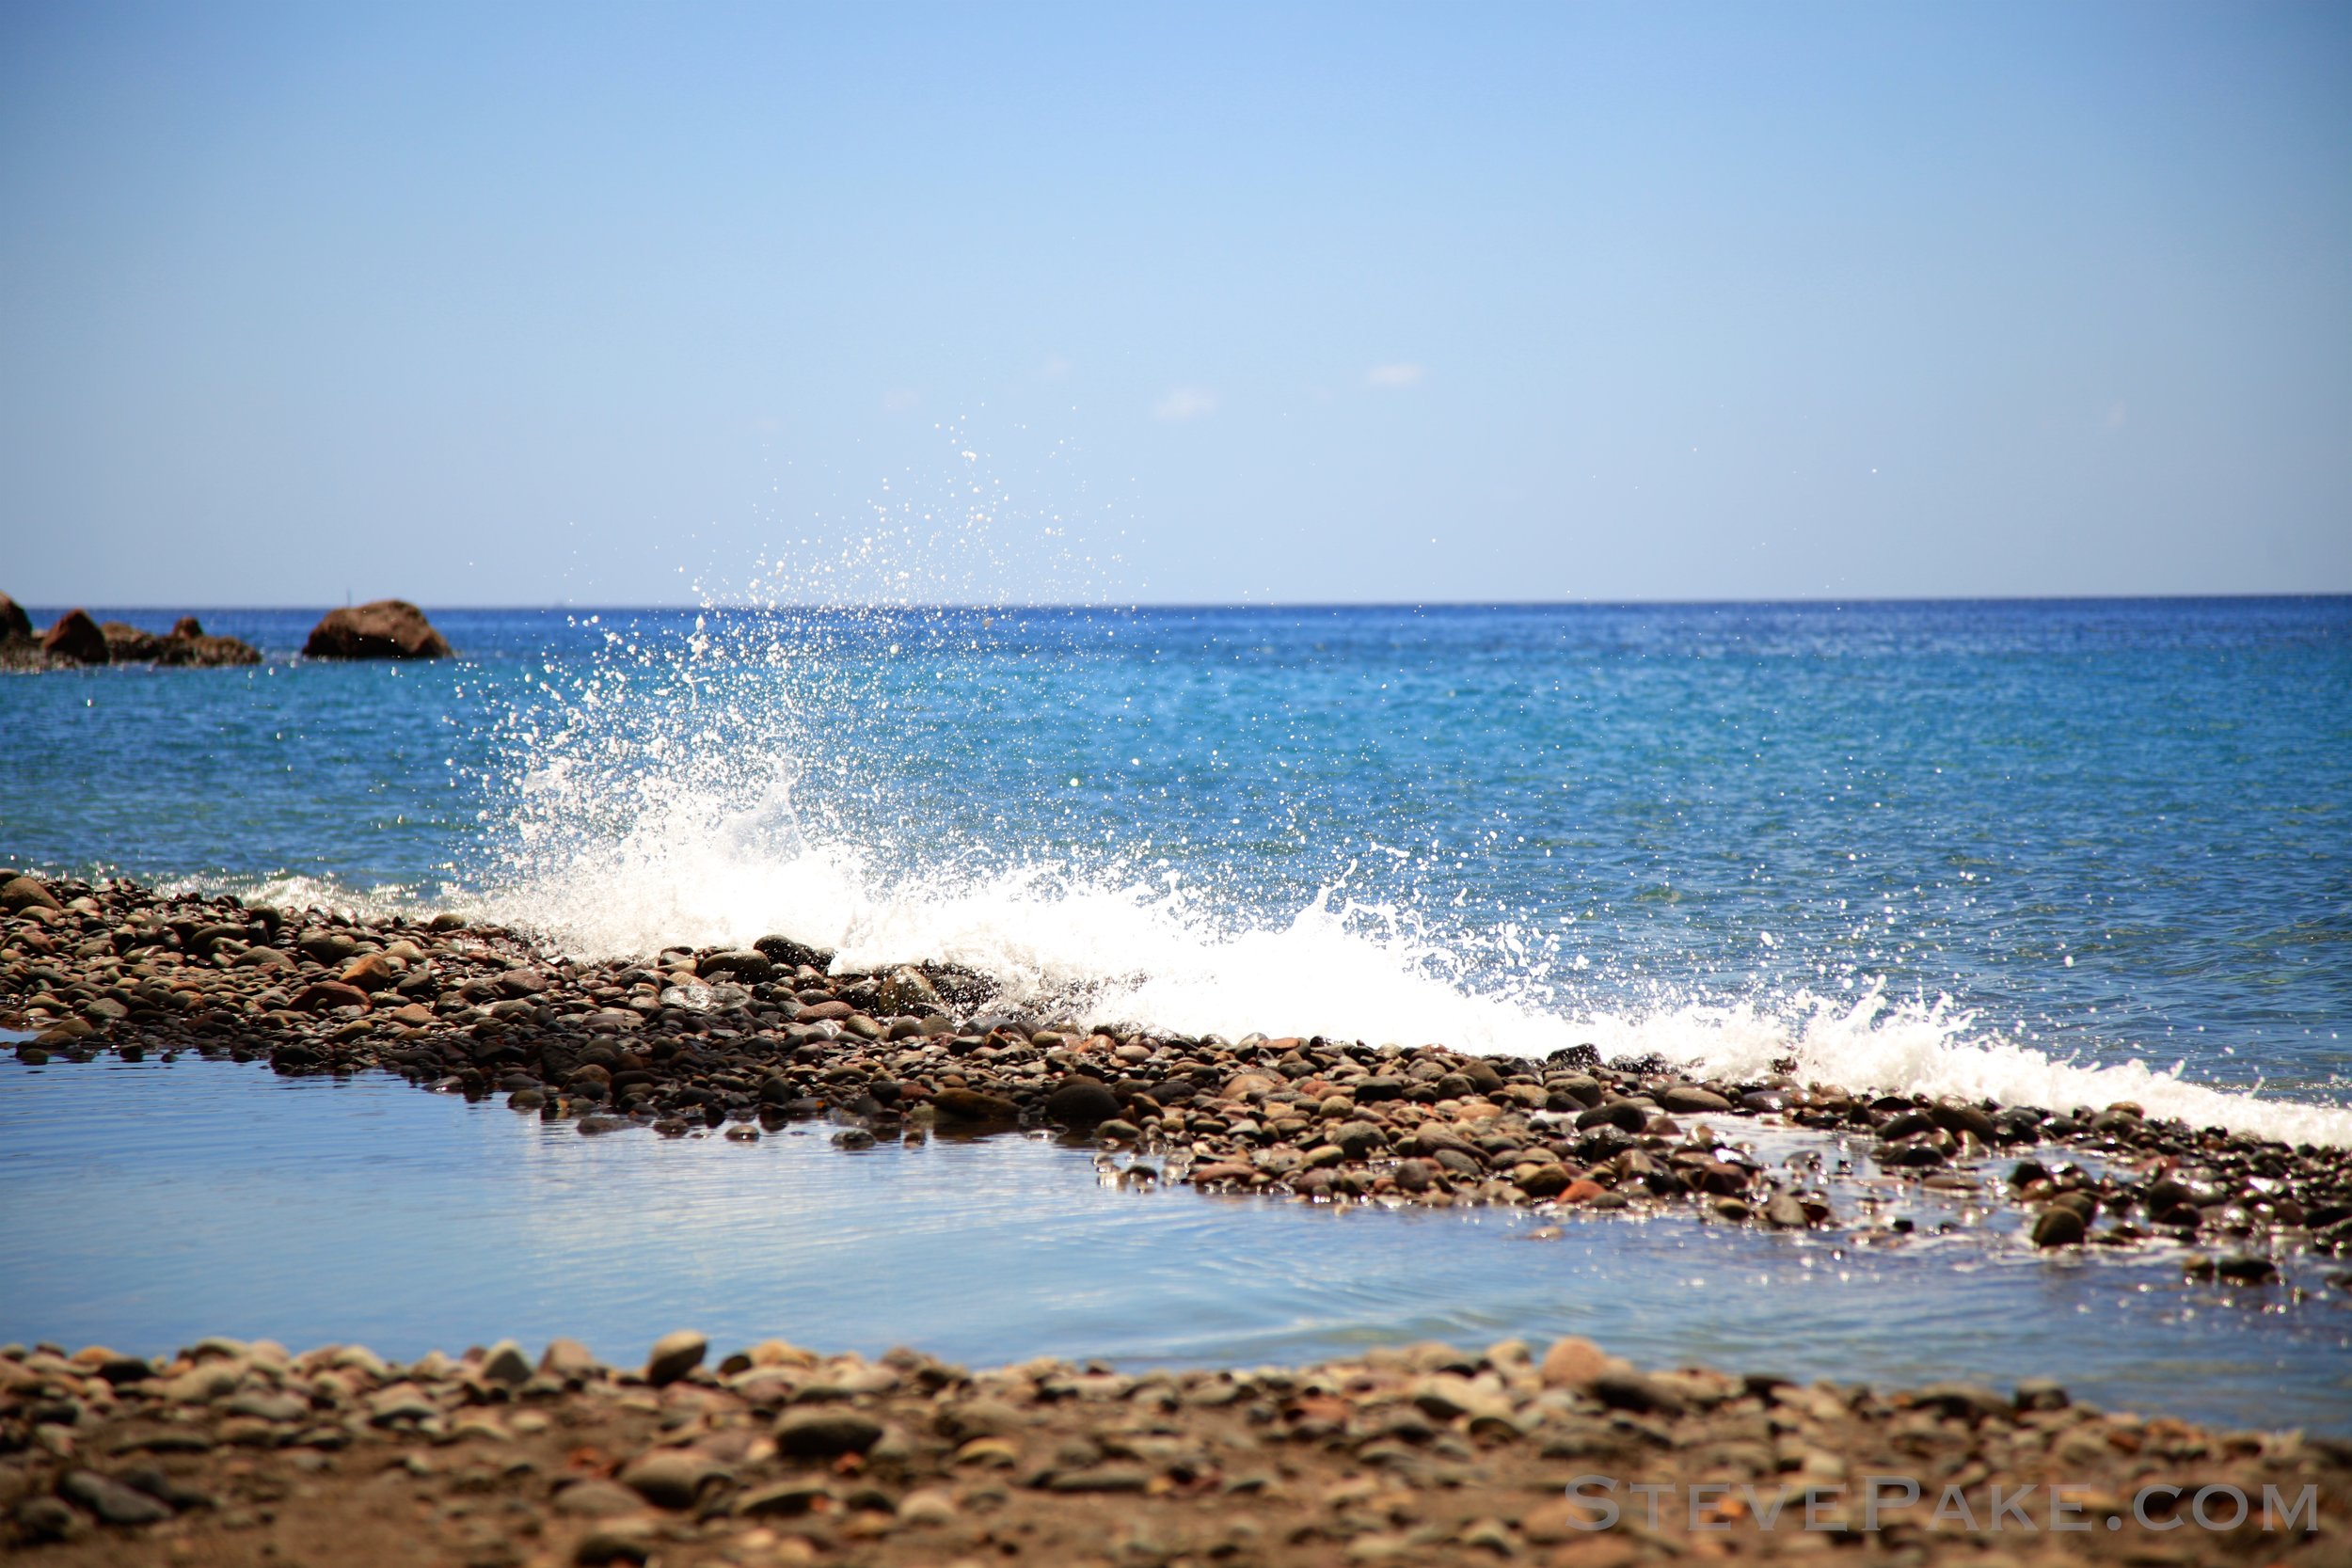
(1415, 1453)
(752, 1038)
(1412, 1455)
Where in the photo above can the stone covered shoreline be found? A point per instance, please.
(231, 1453)
(748, 1040)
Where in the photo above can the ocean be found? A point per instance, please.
(2054, 852)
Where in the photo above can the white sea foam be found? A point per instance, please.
(653, 803)
(1117, 950)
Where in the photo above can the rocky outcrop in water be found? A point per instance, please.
(76, 642)
(386, 628)
(128, 645)
(189, 646)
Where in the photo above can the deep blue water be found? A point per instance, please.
(2108, 829)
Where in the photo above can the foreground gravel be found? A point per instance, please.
(231, 1453)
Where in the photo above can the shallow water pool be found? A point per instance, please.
(147, 1205)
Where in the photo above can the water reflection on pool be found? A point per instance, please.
(147, 1205)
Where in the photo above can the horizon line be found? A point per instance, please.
(982, 606)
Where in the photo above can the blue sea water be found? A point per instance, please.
(1979, 847)
(2051, 853)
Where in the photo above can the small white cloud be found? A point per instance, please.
(1185, 403)
(899, 400)
(1393, 378)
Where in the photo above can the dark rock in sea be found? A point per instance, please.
(2058, 1225)
(128, 645)
(1690, 1099)
(385, 628)
(75, 639)
(190, 647)
(2239, 1268)
(14, 624)
(1081, 1103)
(1784, 1212)
(292, 1057)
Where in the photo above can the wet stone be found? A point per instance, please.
(2059, 1224)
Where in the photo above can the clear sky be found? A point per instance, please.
(518, 304)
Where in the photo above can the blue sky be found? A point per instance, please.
(518, 304)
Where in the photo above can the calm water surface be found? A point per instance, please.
(150, 1205)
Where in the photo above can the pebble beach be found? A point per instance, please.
(1422, 1452)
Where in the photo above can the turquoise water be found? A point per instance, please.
(1954, 845)
(151, 1205)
